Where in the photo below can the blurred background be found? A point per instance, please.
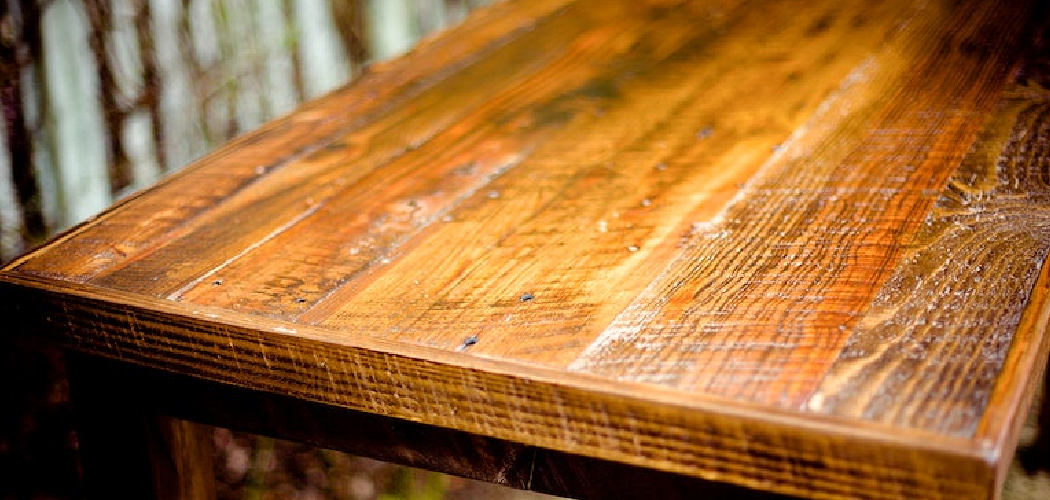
(103, 97)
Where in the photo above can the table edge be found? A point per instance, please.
(1019, 379)
(975, 464)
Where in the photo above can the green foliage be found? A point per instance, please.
(411, 484)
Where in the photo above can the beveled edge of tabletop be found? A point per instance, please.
(708, 437)
(1019, 380)
(728, 440)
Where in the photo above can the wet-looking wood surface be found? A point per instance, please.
(796, 245)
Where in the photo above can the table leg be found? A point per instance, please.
(1036, 456)
(1042, 443)
(385, 438)
(127, 450)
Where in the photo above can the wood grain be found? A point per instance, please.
(658, 157)
(408, 443)
(652, 427)
(761, 298)
(941, 324)
(795, 246)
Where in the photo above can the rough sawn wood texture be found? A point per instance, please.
(792, 245)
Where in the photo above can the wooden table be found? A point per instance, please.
(606, 249)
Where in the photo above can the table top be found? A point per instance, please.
(791, 245)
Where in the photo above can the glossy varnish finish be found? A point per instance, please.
(790, 245)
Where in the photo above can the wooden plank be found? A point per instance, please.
(1018, 379)
(789, 245)
(625, 185)
(940, 326)
(376, 215)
